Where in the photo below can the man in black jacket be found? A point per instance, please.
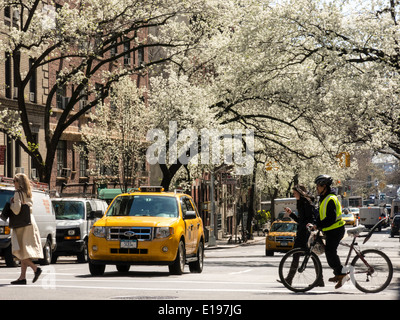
(330, 221)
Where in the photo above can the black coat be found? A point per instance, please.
(306, 215)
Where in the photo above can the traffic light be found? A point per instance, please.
(344, 159)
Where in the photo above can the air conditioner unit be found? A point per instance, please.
(19, 170)
(31, 96)
(15, 93)
(33, 174)
(65, 172)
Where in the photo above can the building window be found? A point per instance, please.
(62, 100)
(8, 75)
(127, 54)
(61, 156)
(114, 48)
(83, 163)
(32, 82)
(141, 56)
(7, 16)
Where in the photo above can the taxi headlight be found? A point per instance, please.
(99, 232)
(163, 232)
(271, 238)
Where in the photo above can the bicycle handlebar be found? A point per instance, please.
(373, 229)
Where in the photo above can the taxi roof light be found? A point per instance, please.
(151, 189)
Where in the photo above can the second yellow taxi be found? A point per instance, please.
(280, 237)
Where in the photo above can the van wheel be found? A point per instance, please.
(8, 256)
(54, 258)
(82, 256)
(178, 266)
(96, 269)
(46, 254)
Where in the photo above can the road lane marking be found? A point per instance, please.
(244, 271)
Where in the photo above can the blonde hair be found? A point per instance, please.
(24, 184)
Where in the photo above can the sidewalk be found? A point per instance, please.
(223, 243)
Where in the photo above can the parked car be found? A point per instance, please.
(44, 217)
(75, 218)
(395, 226)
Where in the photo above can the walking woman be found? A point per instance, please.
(306, 215)
(25, 241)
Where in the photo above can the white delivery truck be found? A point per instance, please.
(75, 218)
(281, 204)
(44, 217)
(369, 216)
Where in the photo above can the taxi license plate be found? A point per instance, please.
(284, 244)
(128, 244)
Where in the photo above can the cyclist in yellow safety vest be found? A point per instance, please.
(330, 221)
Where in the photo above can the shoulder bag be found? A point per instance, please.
(22, 219)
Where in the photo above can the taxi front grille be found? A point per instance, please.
(128, 251)
(127, 233)
(285, 238)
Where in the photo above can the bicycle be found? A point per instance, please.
(371, 270)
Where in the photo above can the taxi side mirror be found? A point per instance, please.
(190, 215)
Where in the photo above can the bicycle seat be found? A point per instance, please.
(355, 232)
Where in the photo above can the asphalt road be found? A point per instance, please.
(234, 273)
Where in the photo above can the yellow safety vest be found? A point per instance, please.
(322, 212)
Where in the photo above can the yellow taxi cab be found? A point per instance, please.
(280, 237)
(349, 218)
(148, 227)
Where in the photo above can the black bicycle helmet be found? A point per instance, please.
(323, 180)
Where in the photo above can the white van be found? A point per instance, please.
(44, 217)
(74, 218)
(370, 216)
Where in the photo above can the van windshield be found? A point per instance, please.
(143, 205)
(5, 196)
(69, 210)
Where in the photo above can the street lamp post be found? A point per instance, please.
(212, 239)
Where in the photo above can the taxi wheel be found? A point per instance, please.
(269, 253)
(96, 269)
(123, 267)
(197, 266)
(47, 253)
(178, 266)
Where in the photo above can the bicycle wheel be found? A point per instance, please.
(299, 270)
(373, 272)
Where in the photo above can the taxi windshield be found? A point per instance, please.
(69, 210)
(347, 215)
(144, 205)
(284, 227)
